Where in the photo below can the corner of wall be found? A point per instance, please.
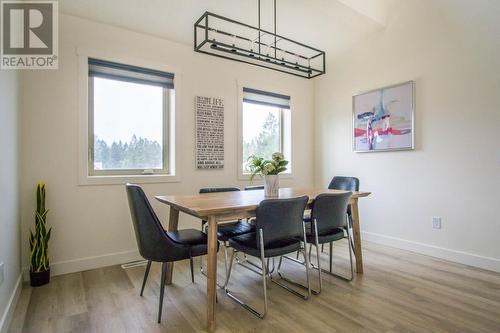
(10, 241)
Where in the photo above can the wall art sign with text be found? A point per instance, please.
(383, 119)
(209, 133)
(29, 34)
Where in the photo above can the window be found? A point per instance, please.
(128, 119)
(265, 125)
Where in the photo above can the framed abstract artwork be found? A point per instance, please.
(383, 119)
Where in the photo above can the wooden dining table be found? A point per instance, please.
(229, 206)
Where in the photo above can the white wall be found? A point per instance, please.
(91, 224)
(10, 248)
(452, 50)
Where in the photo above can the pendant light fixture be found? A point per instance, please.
(227, 38)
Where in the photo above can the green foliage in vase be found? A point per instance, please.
(39, 238)
(262, 167)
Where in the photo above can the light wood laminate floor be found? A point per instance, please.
(399, 292)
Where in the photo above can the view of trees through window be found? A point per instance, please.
(138, 153)
(128, 125)
(261, 131)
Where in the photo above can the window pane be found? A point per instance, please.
(261, 131)
(128, 125)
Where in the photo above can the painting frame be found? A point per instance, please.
(411, 115)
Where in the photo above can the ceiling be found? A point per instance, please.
(331, 25)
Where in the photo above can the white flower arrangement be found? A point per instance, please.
(260, 166)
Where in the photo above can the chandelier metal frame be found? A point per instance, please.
(304, 61)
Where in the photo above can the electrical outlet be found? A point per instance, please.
(436, 222)
(1, 272)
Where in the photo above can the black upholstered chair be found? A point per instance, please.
(226, 230)
(254, 187)
(279, 231)
(156, 244)
(230, 229)
(218, 189)
(346, 184)
(329, 219)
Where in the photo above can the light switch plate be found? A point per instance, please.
(1, 272)
(436, 222)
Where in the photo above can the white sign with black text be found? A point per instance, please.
(209, 132)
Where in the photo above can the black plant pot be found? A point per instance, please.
(39, 278)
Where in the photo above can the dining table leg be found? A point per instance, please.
(211, 272)
(173, 223)
(356, 235)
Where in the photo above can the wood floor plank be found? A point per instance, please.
(399, 292)
(18, 320)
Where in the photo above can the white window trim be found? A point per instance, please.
(84, 177)
(239, 159)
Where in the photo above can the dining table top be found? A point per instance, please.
(220, 203)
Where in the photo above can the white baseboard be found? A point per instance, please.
(83, 264)
(460, 257)
(11, 305)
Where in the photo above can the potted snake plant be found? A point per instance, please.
(39, 242)
(270, 170)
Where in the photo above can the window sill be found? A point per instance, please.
(246, 176)
(122, 179)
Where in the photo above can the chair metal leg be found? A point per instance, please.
(351, 250)
(349, 229)
(306, 259)
(307, 262)
(331, 256)
(146, 273)
(243, 263)
(310, 251)
(352, 242)
(294, 283)
(330, 272)
(264, 270)
(192, 270)
(162, 288)
(322, 248)
(264, 285)
(248, 264)
(224, 245)
(230, 268)
(316, 242)
(225, 259)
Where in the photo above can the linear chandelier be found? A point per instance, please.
(226, 38)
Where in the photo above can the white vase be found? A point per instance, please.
(271, 185)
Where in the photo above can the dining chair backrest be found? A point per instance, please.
(280, 218)
(329, 210)
(218, 189)
(152, 241)
(254, 187)
(344, 183)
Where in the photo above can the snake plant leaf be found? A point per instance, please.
(39, 237)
